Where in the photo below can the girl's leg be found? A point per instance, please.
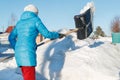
(28, 72)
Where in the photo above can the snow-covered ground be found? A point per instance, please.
(70, 59)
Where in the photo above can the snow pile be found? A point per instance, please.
(71, 59)
(88, 6)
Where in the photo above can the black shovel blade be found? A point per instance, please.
(84, 23)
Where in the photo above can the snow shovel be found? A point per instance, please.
(83, 23)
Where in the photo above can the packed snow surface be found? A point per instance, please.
(70, 59)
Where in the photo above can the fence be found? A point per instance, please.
(4, 38)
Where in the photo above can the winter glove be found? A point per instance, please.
(61, 35)
(52, 39)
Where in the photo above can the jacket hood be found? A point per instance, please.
(28, 14)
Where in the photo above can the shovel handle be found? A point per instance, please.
(71, 31)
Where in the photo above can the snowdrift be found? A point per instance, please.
(71, 59)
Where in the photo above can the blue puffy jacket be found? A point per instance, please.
(23, 38)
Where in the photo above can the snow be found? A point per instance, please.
(70, 59)
(87, 6)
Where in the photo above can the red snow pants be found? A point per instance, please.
(28, 72)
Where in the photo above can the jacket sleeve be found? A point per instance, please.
(45, 32)
(12, 38)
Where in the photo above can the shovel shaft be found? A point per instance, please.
(71, 31)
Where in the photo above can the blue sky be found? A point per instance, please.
(58, 14)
